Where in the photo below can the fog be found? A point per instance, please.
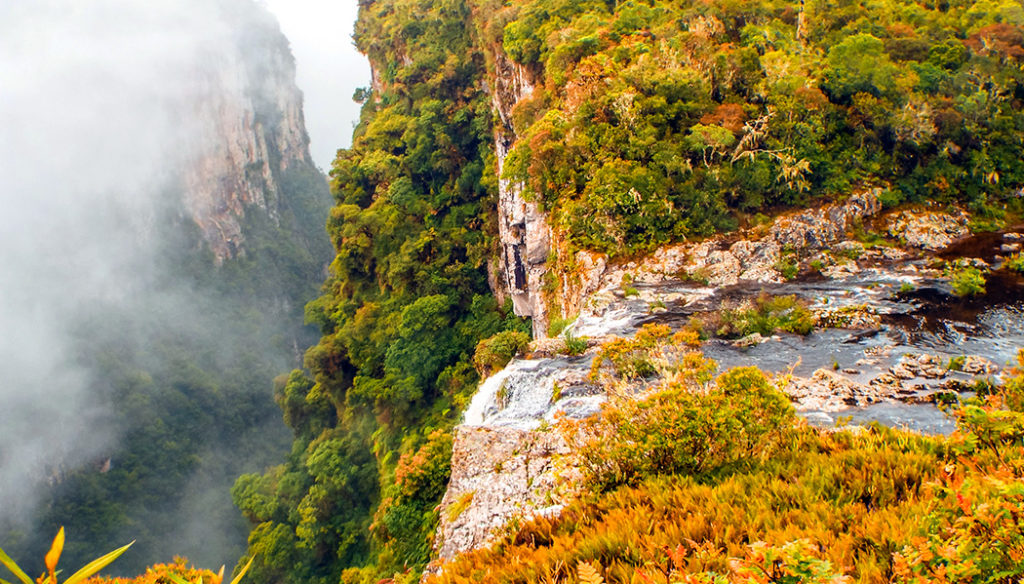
(329, 68)
(95, 104)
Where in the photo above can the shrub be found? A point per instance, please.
(683, 430)
(575, 345)
(495, 352)
(966, 280)
(972, 532)
(765, 315)
(1015, 262)
(787, 267)
(650, 352)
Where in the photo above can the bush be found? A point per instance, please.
(647, 354)
(495, 352)
(766, 315)
(1016, 262)
(966, 280)
(575, 345)
(683, 430)
(973, 529)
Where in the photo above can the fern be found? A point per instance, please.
(588, 574)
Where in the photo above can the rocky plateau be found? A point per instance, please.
(890, 340)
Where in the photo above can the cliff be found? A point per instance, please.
(249, 112)
(186, 256)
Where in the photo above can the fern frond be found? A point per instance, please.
(588, 573)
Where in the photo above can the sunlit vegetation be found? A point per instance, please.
(1016, 262)
(402, 315)
(494, 353)
(689, 493)
(657, 120)
(650, 122)
(965, 279)
(764, 315)
(173, 573)
(52, 558)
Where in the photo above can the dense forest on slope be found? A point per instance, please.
(650, 122)
(401, 314)
(654, 121)
(174, 344)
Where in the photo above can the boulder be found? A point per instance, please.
(929, 231)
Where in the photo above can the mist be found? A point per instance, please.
(98, 110)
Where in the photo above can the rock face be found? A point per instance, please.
(523, 231)
(720, 261)
(252, 131)
(929, 231)
(498, 473)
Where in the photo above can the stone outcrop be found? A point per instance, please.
(497, 474)
(929, 231)
(817, 228)
(829, 391)
(252, 131)
(720, 261)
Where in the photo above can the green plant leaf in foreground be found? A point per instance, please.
(13, 567)
(97, 565)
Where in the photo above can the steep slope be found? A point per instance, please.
(639, 124)
(405, 305)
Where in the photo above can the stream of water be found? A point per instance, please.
(917, 314)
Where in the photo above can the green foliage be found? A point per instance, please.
(1015, 262)
(656, 121)
(787, 267)
(185, 371)
(679, 430)
(859, 64)
(575, 345)
(765, 315)
(405, 307)
(494, 353)
(407, 516)
(966, 280)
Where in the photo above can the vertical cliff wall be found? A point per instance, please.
(249, 112)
